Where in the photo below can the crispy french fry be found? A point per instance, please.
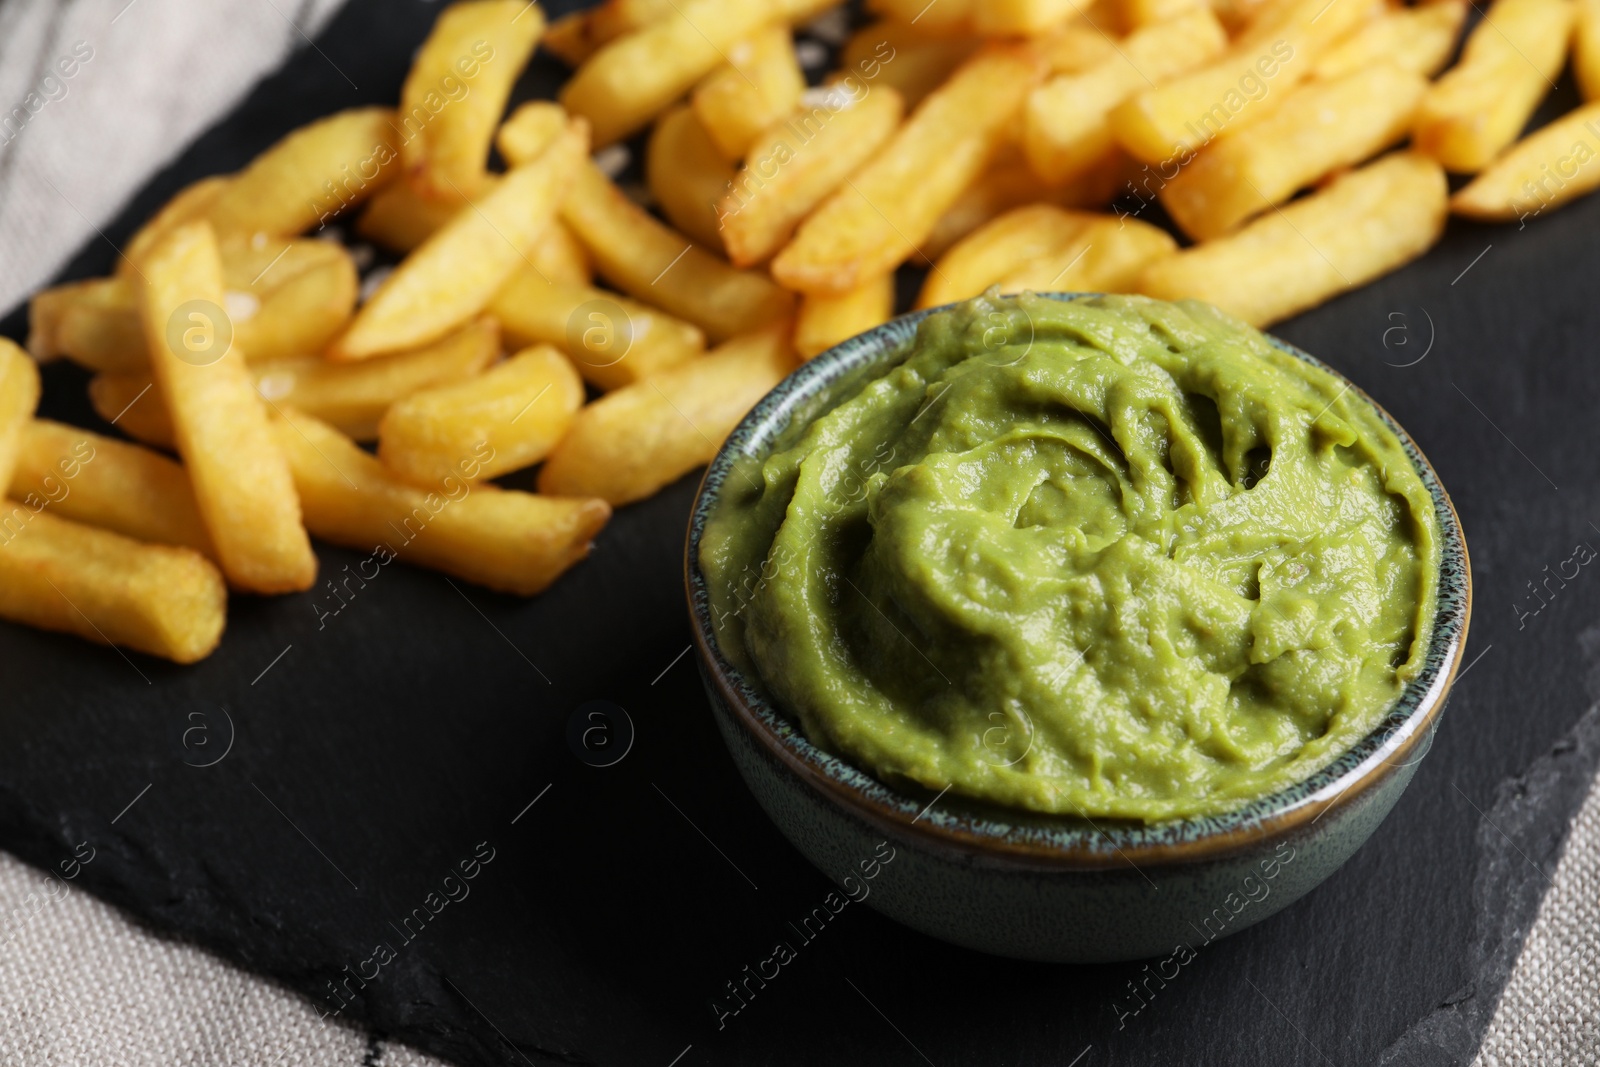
(631, 80)
(457, 90)
(825, 321)
(507, 419)
(895, 55)
(659, 266)
(131, 404)
(19, 396)
(1137, 14)
(399, 219)
(799, 163)
(612, 340)
(759, 85)
(58, 575)
(574, 38)
(1020, 17)
(530, 130)
(240, 480)
(514, 542)
(560, 257)
(1508, 64)
(996, 249)
(1076, 46)
(1274, 54)
(878, 220)
(1361, 226)
(1318, 128)
(1419, 39)
(1553, 165)
(94, 323)
(192, 202)
(457, 271)
(630, 443)
(687, 175)
(946, 17)
(1107, 256)
(1066, 130)
(311, 175)
(103, 482)
(1586, 48)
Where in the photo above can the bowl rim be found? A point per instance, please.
(1018, 838)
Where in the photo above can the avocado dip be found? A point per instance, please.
(1109, 557)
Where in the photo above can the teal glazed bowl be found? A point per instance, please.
(1048, 888)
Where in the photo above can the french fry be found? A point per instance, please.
(509, 541)
(1066, 130)
(310, 176)
(58, 575)
(100, 481)
(759, 85)
(998, 248)
(457, 271)
(631, 80)
(570, 38)
(192, 202)
(630, 443)
(560, 258)
(19, 396)
(825, 321)
(351, 396)
(1508, 64)
(1107, 256)
(1419, 39)
(1362, 225)
(1586, 49)
(509, 418)
(1011, 183)
(574, 38)
(659, 266)
(1137, 14)
(878, 220)
(687, 175)
(457, 90)
(1076, 46)
(530, 130)
(1318, 128)
(240, 480)
(946, 17)
(1275, 53)
(899, 56)
(1000, 18)
(799, 163)
(1553, 165)
(612, 340)
(398, 219)
(94, 323)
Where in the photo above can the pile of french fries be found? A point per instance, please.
(1009, 143)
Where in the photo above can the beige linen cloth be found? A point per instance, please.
(82, 984)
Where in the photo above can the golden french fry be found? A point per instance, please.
(1362, 225)
(1066, 130)
(311, 175)
(1318, 128)
(100, 481)
(94, 323)
(131, 404)
(513, 542)
(458, 270)
(661, 267)
(457, 90)
(799, 163)
(825, 321)
(58, 575)
(192, 202)
(1107, 256)
(946, 17)
(1076, 46)
(531, 129)
(507, 418)
(560, 257)
(399, 219)
(631, 80)
(1137, 14)
(19, 396)
(996, 249)
(1586, 48)
(1419, 39)
(1275, 53)
(574, 38)
(878, 220)
(1508, 64)
(759, 85)
(1011, 183)
(895, 55)
(1026, 18)
(687, 175)
(630, 443)
(570, 38)
(1551, 166)
(611, 340)
(240, 480)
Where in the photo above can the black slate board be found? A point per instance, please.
(371, 752)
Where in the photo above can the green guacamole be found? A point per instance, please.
(1112, 558)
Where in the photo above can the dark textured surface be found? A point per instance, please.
(387, 743)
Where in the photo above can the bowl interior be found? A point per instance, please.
(1392, 743)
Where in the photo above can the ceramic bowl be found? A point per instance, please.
(1049, 888)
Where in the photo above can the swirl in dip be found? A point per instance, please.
(1110, 558)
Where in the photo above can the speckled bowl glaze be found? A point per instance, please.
(1037, 887)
